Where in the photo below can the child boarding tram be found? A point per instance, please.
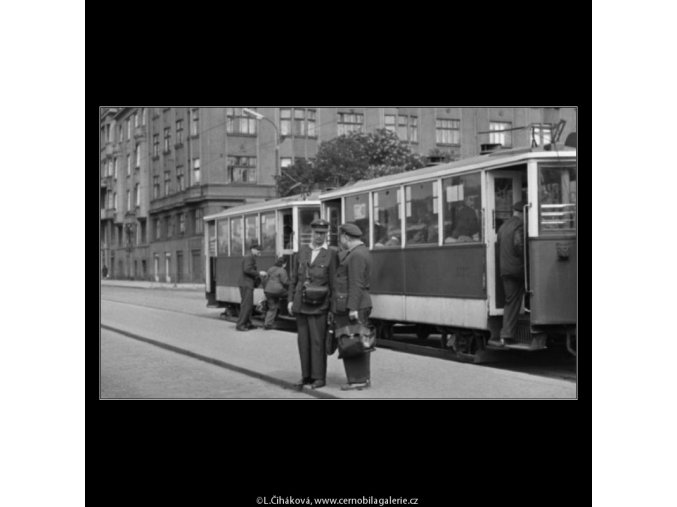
(432, 234)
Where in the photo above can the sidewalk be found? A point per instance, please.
(152, 285)
(273, 356)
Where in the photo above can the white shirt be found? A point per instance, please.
(316, 251)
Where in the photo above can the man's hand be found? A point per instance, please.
(289, 307)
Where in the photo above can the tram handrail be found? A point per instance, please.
(525, 214)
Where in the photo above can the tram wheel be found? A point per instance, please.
(384, 330)
(423, 331)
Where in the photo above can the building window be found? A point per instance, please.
(129, 165)
(129, 200)
(110, 200)
(158, 230)
(143, 115)
(196, 171)
(115, 168)
(241, 169)
(179, 179)
(349, 122)
(156, 145)
(182, 223)
(167, 138)
(156, 187)
(406, 127)
(115, 201)
(129, 128)
(238, 122)
(142, 231)
(285, 122)
(169, 226)
(311, 115)
(194, 122)
(136, 120)
(304, 122)
(448, 132)
(390, 121)
(541, 134)
(137, 195)
(108, 133)
(179, 132)
(120, 133)
(198, 221)
(167, 181)
(137, 156)
(500, 136)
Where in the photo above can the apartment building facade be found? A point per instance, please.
(164, 168)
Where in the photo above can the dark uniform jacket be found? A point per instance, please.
(319, 273)
(249, 276)
(511, 247)
(351, 285)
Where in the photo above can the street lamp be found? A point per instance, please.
(259, 117)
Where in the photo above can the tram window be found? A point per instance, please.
(306, 217)
(268, 232)
(387, 220)
(235, 236)
(462, 198)
(557, 198)
(421, 212)
(251, 230)
(357, 212)
(222, 235)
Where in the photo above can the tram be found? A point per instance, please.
(432, 233)
(280, 226)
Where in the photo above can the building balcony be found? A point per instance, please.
(139, 132)
(109, 149)
(130, 213)
(106, 182)
(107, 214)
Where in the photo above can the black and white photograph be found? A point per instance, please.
(338, 252)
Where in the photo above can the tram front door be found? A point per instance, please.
(504, 188)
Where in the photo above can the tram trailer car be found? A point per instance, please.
(280, 226)
(432, 234)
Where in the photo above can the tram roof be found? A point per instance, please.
(499, 158)
(272, 204)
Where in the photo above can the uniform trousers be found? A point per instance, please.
(246, 307)
(514, 290)
(358, 368)
(312, 349)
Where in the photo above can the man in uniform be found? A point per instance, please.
(511, 254)
(352, 301)
(247, 282)
(314, 266)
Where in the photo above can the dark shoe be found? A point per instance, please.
(299, 385)
(356, 386)
(242, 328)
(317, 384)
(251, 326)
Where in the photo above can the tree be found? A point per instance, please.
(348, 158)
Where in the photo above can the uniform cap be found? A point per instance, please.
(351, 230)
(320, 225)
